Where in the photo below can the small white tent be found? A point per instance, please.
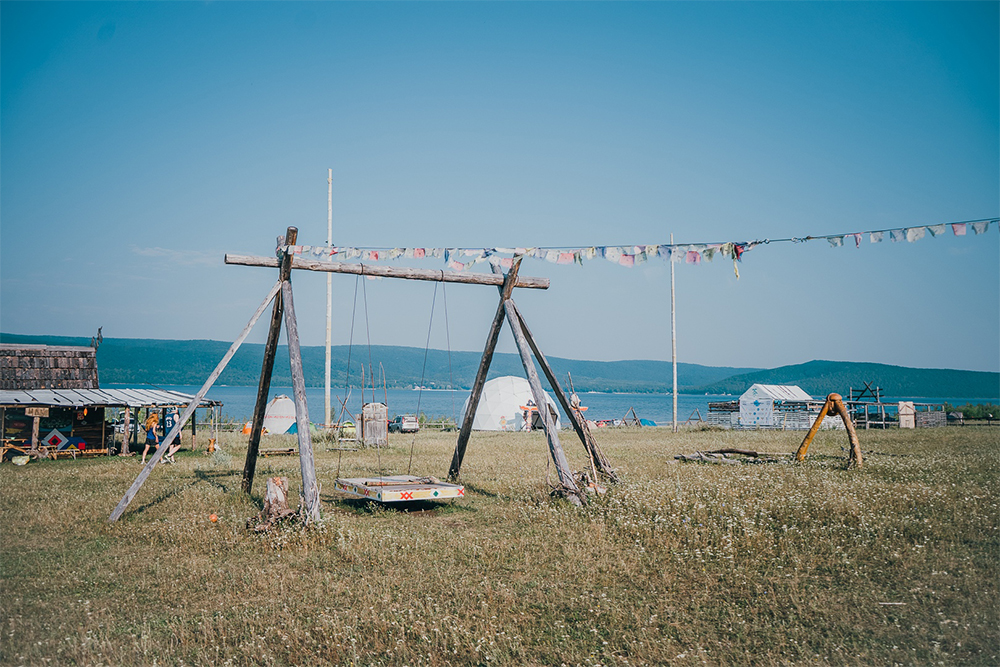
(757, 403)
(279, 417)
(500, 406)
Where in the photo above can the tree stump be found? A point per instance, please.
(275, 505)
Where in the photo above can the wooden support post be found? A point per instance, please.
(484, 366)
(568, 485)
(160, 451)
(310, 488)
(266, 368)
(835, 404)
(194, 430)
(800, 455)
(125, 445)
(595, 453)
(34, 433)
(854, 458)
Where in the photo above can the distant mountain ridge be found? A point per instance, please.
(163, 362)
(188, 362)
(819, 378)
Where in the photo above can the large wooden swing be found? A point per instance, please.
(284, 309)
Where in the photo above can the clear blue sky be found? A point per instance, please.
(142, 141)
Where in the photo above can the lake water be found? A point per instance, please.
(238, 402)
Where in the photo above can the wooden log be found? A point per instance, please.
(389, 271)
(835, 403)
(160, 451)
(576, 418)
(730, 450)
(568, 485)
(484, 366)
(800, 455)
(310, 488)
(266, 368)
(854, 459)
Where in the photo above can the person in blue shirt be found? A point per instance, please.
(171, 419)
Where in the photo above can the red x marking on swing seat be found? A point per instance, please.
(406, 495)
(461, 492)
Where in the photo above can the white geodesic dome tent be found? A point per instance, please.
(500, 405)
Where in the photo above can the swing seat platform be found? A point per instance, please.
(399, 488)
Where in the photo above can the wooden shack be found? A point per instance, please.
(50, 400)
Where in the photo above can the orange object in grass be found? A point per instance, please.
(213, 518)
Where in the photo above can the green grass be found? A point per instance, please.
(681, 563)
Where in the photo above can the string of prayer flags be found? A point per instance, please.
(463, 259)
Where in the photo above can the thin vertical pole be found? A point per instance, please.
(329, 296)
(673, 329)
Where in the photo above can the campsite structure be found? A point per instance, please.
(504, 406)
(51, 404)
(284, 309)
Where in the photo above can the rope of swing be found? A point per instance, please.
(371, 369)
(347, 376)
(423, 371)
(447, 334)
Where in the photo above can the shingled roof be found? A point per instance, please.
(47, 367)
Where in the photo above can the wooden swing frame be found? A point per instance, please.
(283, 310)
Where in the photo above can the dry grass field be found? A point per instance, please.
(681, 563)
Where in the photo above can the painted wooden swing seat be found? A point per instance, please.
(399, 488)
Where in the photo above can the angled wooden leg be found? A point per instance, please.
(310, 488)
(189, 410)
(267, 366)
(568, 485)
(800, 455)
(579, 425)
(484, 367)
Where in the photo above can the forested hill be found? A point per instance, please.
(819, 378)
(189, 362)
(163, 362)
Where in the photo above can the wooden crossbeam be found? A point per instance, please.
(389, 271)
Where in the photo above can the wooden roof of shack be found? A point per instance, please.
(78, 398)
(47, 367)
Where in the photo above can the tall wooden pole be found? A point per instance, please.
(266, 368)
(189, 410)
(310, 488)
(484, 366)
(329, 298)
(568, 485)
(673, 331)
